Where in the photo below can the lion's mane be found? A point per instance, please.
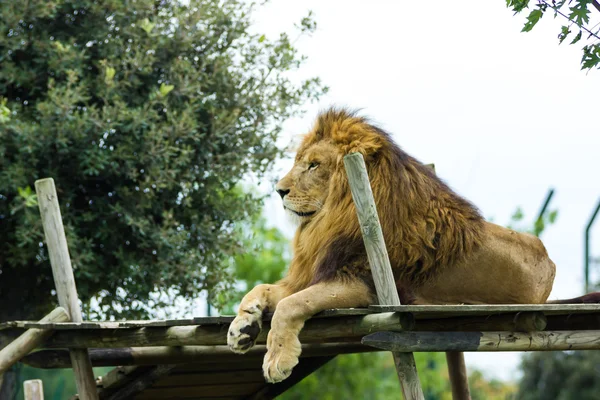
(426, 226)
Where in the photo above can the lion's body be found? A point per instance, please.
(440, 248)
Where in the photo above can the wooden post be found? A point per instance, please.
(459, 380)
(457, 369)
(29, 340)
(33, 389)
(379, 261)
(64, 280)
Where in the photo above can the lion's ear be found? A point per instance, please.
(361, 141)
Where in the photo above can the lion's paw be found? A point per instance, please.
(281, 359)
(243, 331)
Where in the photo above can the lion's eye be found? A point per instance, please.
(312, 166)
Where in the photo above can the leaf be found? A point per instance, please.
(576, 39)
(591, 56)
(532, 19)
(564, 32)
(146, 25)
(261, 39)
(109, 74)
(4, 112)
(518, 215)
(517, 5)
(165, 89)
(552, 216)
(580, 13)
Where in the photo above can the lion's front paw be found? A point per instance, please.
(281, 358)
(243, 331)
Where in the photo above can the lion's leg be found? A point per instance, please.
(283, 346)
(246, 326)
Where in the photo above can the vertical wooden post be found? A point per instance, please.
(457, 369)
(380, 263)
(64, 280)
(33, 389)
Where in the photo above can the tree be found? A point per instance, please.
(560, 375)
(147, 114)
(576, 15)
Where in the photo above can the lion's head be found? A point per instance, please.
(425, 224)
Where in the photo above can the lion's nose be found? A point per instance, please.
(283, 192)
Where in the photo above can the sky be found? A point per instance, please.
(504, 115)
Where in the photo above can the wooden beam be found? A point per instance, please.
(29, 340)
(379, 262)
(179, 355)
(315, 331)
(142, 382)
(33, 389)
(484, 341)
(64, 280)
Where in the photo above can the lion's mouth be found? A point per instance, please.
(302, 213)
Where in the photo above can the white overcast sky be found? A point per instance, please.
(504, 115)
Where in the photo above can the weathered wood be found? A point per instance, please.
(29, 340)
(64, 280)
(194, 392)
(447, 311)
(33, 389)
(530, 321)
(178, 354)
(499, 322)
(459, 380)
(379, 262)
(144, 381)
(315, 331)
(484, 341)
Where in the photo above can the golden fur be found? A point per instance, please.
(440, 248)
(427, 226)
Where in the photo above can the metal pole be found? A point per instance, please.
(587, 247)
(543, 209)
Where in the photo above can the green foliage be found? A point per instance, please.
(371, 376)
(578, 15)
(147, 115)
(59, 384)
(560, 375)
(265, 259)
(539, 225)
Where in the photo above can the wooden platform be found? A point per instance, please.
(188, 359)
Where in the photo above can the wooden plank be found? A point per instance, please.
(447, 311)
(33, 389)
(64, 280)
(183, 378)
(200, 321)
(484, 341)
(28, 341)
(521, 322)
(141, 383)
(177, 354)
(379, 262)
(315, 331)
(199, 392)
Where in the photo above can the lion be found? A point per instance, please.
(441, 249)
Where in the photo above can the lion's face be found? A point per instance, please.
(305, 188)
